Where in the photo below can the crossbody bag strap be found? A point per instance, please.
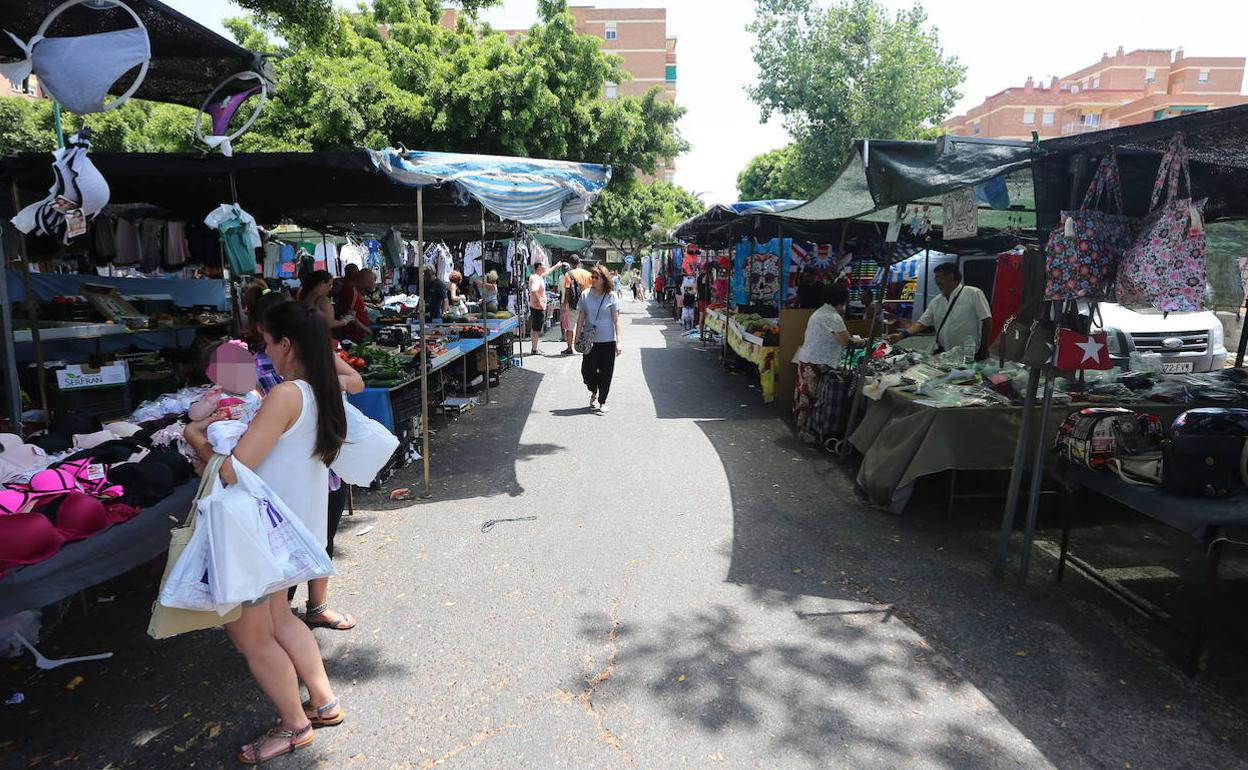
(948, 312)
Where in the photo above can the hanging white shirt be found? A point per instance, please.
(969, 310)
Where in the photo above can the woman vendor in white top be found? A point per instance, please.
(824, 345)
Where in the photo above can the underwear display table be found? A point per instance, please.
(101, 557)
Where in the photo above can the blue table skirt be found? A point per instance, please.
(374, 403)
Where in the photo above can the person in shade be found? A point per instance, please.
(600, 308)
(297, 433)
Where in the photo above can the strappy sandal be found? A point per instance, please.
(317, 715)
(345, 623)
(297, 739)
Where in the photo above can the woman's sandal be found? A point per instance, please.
(297, 739)
(317, 715)
(345, 623)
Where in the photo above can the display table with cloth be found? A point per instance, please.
(85, 563)
(765, 357)
(378, 403)
(901, 440)
(1210, 521)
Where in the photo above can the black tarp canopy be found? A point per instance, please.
(333, 192)
(1217, 141)
(188, 59)
(887, 173)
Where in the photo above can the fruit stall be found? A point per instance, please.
(753, 338)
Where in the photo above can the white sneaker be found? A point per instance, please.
(603, 409)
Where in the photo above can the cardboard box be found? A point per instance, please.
(76, 377)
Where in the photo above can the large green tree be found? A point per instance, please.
(391, 74)
(851, 70)
(629, 217)
(774, 174)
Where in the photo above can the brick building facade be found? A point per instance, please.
(1119, 90)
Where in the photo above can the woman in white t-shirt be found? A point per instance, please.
(824, 345)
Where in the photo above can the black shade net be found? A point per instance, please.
(334, 192)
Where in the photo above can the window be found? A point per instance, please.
(670, 73)
(1096, 82)
(1029, 117)
(1065, 86)
(1203, 77)
(612, 91)
(1048, 118)
(669, 177)
(1074, 89)
(612, 33)
(1090, 119)
(975, 127)
(1150, 75)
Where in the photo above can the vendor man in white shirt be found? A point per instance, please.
(958, 313)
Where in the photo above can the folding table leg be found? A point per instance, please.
(1209, 595)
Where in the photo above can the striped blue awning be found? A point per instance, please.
(545, 193)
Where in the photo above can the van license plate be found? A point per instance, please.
(1177, 367)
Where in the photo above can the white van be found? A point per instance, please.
(1187, 342)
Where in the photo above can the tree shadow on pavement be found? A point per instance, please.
(456, 472)
(1055, 662)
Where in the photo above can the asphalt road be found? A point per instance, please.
(697, 590)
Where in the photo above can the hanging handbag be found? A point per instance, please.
(1040, 344)
(169, 621)
(1165, 265)
(585, 339)
(1082, 351)
(1082, 254)
(1012, 343)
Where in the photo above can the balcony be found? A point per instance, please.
(1080, 127)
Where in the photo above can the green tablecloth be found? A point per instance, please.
(901, 440)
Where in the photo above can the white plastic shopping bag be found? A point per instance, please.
(366, 450)
(186, 587)
(257, 544)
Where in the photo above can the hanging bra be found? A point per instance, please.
(78, 71)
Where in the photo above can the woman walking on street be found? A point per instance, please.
(599, 310)
(290, 443)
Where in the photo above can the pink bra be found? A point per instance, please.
(27, 538)
(80, 516)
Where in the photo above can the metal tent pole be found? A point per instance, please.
(484, 322)
(1243, 340)
(424, 342)
(32, 312)
(1037, 478)
(12, 386)
(1016, 475)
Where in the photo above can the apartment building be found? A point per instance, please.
(638, 36)
(28, 88)
(1119, 90)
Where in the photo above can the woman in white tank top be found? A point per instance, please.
(289, 444)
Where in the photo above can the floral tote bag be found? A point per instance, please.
(1165, 266)
(1083, 253)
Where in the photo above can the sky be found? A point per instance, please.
(1000, 48)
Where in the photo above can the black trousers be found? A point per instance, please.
(597, 367)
